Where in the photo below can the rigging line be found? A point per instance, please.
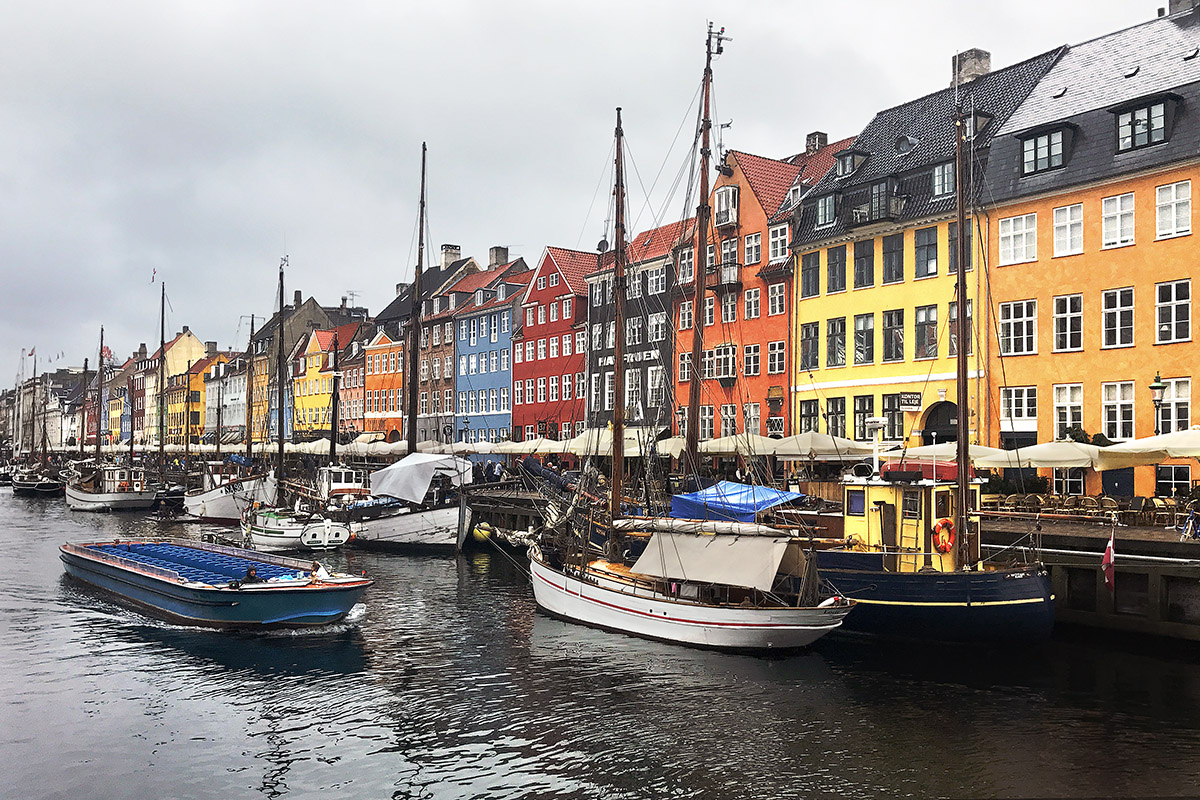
(671, 148)
(604, 172)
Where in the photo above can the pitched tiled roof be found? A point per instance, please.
(930, 121)
(1097, 74)
(769, 179)
(813, 167)
(659, 242)
(474, 280)
(345, 334)
(575, 266)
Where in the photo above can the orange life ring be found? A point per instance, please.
(123, 486)
(943, 535)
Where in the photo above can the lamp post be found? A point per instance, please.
(1156, 392)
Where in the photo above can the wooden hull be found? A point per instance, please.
(1014, 604)
(81, 500)
(224, 504)
(432, 530)
(607, 605)
(178, 589)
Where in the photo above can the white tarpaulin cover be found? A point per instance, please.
(409, 478)
(750, 561)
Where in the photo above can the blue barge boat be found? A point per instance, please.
(205, 584)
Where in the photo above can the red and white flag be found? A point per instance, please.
(1106, 562)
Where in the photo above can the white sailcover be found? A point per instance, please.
(750, 561)
(409, 478)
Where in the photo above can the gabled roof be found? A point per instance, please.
(343, 334)
(573, 265)
(813, 167)
(475, 280)
(1097, 74)
(768, 178)
(659, 242)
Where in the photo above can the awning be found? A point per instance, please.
(729, 500)
(751, 561)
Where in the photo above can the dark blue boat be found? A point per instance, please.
(205, 584)
(994, 604)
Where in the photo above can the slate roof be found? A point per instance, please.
(432, 280)
(812, 168)
(930, 120)
(1092, 75)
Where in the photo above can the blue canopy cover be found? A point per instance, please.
(728, 500)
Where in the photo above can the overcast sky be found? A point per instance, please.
(205, 140)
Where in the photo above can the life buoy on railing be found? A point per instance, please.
(123, 486)
(943, 535)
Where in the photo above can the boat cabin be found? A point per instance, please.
(114, 480)
(907, 518)
(334, 481)
(219, 473)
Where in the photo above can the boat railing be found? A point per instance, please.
(124, 563)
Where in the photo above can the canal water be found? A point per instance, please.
(449, 684)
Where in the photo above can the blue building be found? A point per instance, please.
(482, 347)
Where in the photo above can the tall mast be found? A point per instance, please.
(162, 385)
(333, 422)
(129, 403)
(249, 399)
(963, 487)
(187, 421)
(99, 390)
(414, 324)
(713, 43)
(82, 433)
(220, 409)
(279, 380)
(618, 418)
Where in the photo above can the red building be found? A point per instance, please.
(549, 358)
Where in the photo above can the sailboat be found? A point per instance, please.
(913, 558)
(38, 479)
(276, 528)
(107, 487)
(727, 592)
(225, 492)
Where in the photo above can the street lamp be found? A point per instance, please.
(1156, 392)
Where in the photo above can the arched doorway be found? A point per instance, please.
(393, 436)
(941, 423)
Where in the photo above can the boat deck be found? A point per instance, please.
(198, 566)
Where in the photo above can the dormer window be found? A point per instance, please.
(943, 179)
(1142, 127)
(479, 297)
(725, 202)
(501, 292)
(825, 210)
(793, 195)
(1042, 152)
(849, 160)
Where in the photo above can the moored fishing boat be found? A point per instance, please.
(207, 584)
(110, 488)
(224, 497)
(413, 505)
(37, 483)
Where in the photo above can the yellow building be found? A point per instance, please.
(186, 401)
(875, 247)
(312, 379)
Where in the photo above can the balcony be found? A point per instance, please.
(880, 202)
(725, 277)
(724, 217)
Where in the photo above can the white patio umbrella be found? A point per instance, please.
(821, 447)
(747, 444)
(1176, 444)
(943, 451)
(1058, 454)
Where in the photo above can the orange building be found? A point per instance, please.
(1091, 256)
(383, 395)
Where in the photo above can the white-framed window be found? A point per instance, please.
(751, 418)
(775, 300)
(541, 390)
(553, 389)
(776, 360)
(706, 423)
(610, 340)
(1068, 481)
(750, 359)
(1140, 127)
(462, 365)
(566, 305)
(1018, 408)
(753, 248)
(685, 315)
(633, 286)
(541, 283)
(658, 327)
(1118, 317)
(774, 426)
(566, 344)
(777, 243)
(1172, 480)
(1068, 230)
(1018, 239)
(726, 360)
(710, 307)
(1068, 408)
(541, 315)
(554, 312)
(1117, 220)
(609, 391)
(725, 205)
(1117, 407)
(825, 210)
(518, 393)
(1018, 328)
(685, 269)
(1173, 209)
(633, 388)
(554, 347)
(1173, 312)
(580, 343)
(1068, 323)
(518, 353)
(943, 179)
(656, 280)
(579, 385)
(565, 381)
(1175, 411)
(541, 349)
(1042, 152)
(729, 306)
(504, 321)
(656, 388)
(598, 294)
(752, 303)
(633, 330)
(729, 415)
(529, 395)
(504, 360)
(685, 367)
(553, 279)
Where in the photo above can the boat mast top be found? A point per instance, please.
(713, 45)
(963, 136)
(414, 324)
(162, 385)
(279, 379)
(333, 417)
(99, 391)
(618, 418)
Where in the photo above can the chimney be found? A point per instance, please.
(969, 65)
(298, 298)
(141, 352)
(450, 254)
(210, 349)
(497, 255)
(344, 299)
(815, 141)
(1180, 6)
